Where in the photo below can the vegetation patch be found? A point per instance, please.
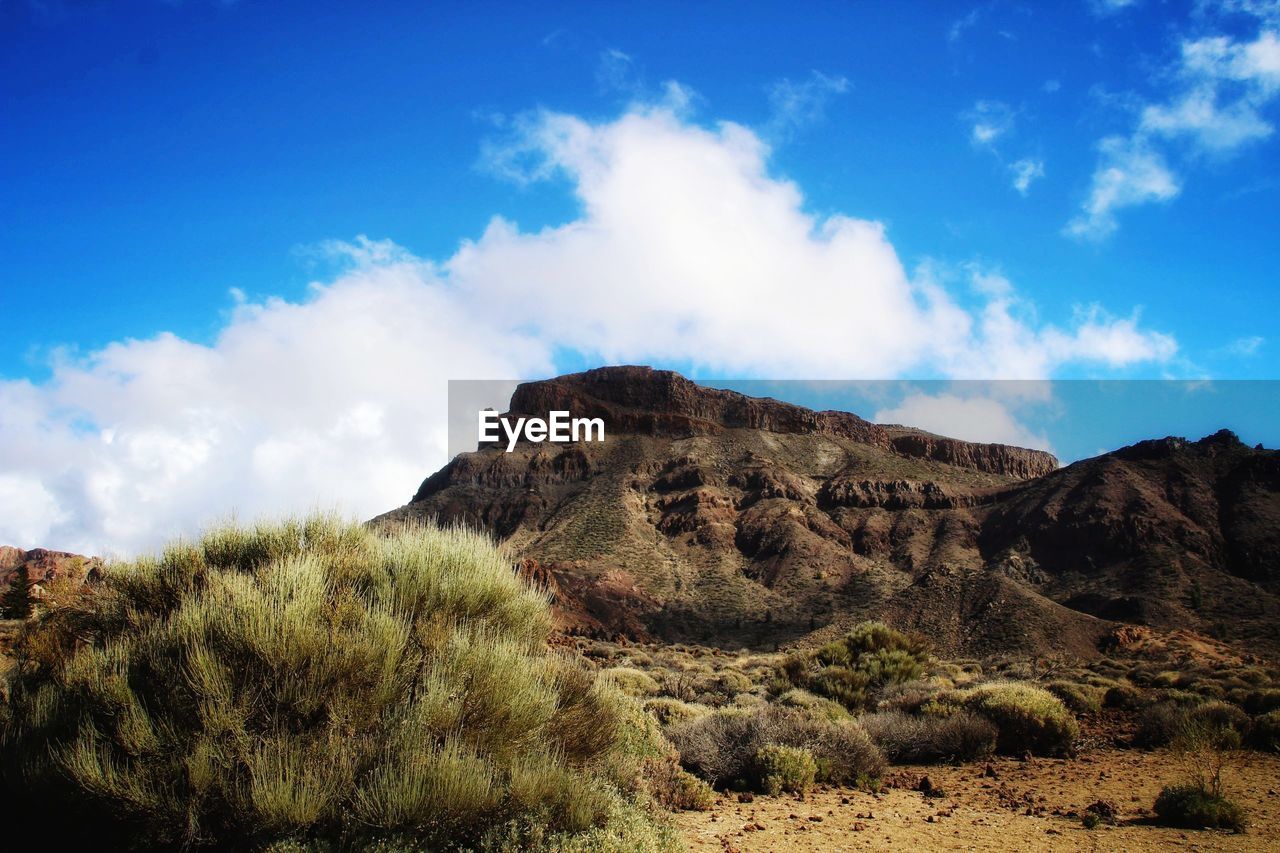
(313, 682)
(855, 669)
(1029, 718)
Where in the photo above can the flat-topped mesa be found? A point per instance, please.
(664, 403)
(645, 401)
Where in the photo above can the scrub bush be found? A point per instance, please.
(905, 739)
(1079, 698)
(1193, 807)
(855, 669)
(313, 682)
(786, 769)
(1029, 718)
(723, 747)
(1265, 732)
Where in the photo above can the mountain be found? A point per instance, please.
(45, 567)
(714, 517)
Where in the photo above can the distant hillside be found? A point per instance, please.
(715, 517)
(45, 567)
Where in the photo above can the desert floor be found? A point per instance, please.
(1017, 805)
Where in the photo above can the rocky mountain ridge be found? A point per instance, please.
(714, 517)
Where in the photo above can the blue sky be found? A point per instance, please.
(237, 237)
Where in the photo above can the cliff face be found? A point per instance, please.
(45, 567)
(662, 403)
(710, 516)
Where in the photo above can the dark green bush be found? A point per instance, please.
(1264, 734)
(1193, 807)
(1124, 697)
(1159, 724)
(314, 681)
(855, 669)
(1262, 701)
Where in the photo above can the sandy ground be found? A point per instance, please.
(1025, 806)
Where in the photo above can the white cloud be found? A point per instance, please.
(31, 511)
(687, 251)
(1222, 85)
(1104, 8)
(963, 24)
(795, 105)
(1198, 115)
(988, 121)
(335, 401)
(1246, 347)
(1129, 173)
(616, 72)
(1025, 171)
(972, 418)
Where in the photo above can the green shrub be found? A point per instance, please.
(1124, 697)
(633, 682)
(1079, 698)
(908, 697)
(871, 637)
(1159, 724)
(1029, 718)
(1193, 807)
(726, 683)
(1264, 734)
(1208, 689)
(785, 769)
(890, 666)
(676, 789)
(906, 739)
(1262, 701)
(1220, 716)
(818, 705)
(670, 712)
(855, 669)
(721, 747)
(312, 680)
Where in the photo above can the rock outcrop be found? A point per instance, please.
(46, 568)
(662, 403)
(713, 517)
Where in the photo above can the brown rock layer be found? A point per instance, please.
(713, 517)
(663, 403)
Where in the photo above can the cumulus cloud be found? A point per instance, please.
(1130, 172)
(687, 251)
(1222, 84)
(334, 401)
